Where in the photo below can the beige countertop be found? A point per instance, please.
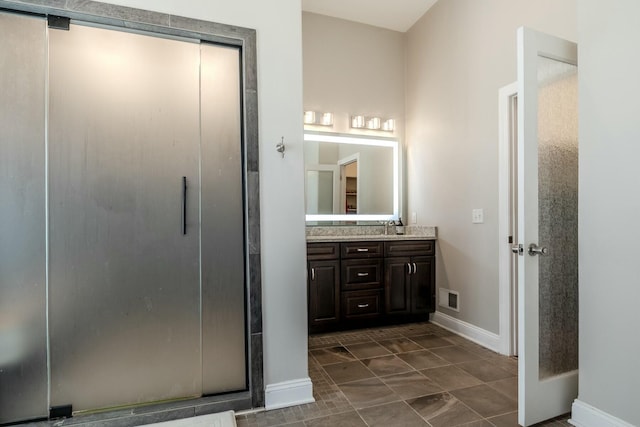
(368, 233)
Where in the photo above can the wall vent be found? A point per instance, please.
(449, 299)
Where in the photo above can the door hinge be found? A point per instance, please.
(58, 22)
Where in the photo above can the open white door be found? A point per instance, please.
(547, 226)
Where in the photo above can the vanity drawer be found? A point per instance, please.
(321, 251)
(361, 304)
(360, 274)
(352, 250)
(409, 248)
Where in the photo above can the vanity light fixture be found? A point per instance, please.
(309, 117)
(318, 119)
(373, 123)
(357, 122)
(389, 125)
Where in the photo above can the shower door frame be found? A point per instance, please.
(132, 19)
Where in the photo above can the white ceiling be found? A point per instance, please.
(398, 15)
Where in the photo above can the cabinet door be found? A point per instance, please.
(422, 285)
(397, 285)
(324, 294)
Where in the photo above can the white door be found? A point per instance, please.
(547, 226)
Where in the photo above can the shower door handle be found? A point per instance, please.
(184, 206)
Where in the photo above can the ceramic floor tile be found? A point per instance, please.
(392, 414)
(366, 393)
(330, 355)
(386, 365)
(508, 387)
(485, 370)
(411, 384)
(431, 341)
(400, 345)
(367, 350)
(347, 371)
(443, 410)
(422, 359)
(507, 420)
(451, 377)
(348, 419)
(454, 354)
(485, 400)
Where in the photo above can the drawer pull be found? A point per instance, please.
(363, 274)
(362, 250)
(363, 305)
(313, 274)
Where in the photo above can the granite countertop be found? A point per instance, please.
(371, 233)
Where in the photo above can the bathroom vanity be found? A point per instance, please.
(362, 280)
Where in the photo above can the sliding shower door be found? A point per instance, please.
(124, 136)
(23, 324)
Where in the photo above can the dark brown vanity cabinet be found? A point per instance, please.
(409, 279)
(323, 286)
(355, 284)
(361, 282)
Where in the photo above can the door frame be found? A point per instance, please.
(507, 288)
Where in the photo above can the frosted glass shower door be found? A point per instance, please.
(124, 129)
(547, 226)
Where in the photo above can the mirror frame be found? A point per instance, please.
(360, 140)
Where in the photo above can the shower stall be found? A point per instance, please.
(123, 218)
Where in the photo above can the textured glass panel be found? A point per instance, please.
(558, 215)
(124, 279)
(23, 343)
(223, 264)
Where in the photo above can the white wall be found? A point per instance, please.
(352, 68)
(458, 55)
(609, 91)
(278, 25)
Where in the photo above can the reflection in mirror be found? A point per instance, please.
(350, 178)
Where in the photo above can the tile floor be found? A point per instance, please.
(409, 375)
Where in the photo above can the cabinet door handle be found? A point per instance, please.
(363, 305)
(363, 274)
(313, 274)
(409, 265)
(362, 250)
(415, 268)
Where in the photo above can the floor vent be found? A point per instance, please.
(449, 299)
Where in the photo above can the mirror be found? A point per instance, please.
(350, 177)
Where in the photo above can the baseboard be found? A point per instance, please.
(467, 330)
(585, 415)
(288, 393)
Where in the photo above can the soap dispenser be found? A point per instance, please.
(399, 226)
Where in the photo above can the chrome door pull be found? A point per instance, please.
(537, 250)
(518, 250)
(363, 274)
(313, 274)
(415, 268)
(409, 265)
(362, 250)
(363, 305)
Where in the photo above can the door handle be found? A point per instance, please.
(184, 205)
(415, 268)
(537, 250)
(409, 266)
(313, 274)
